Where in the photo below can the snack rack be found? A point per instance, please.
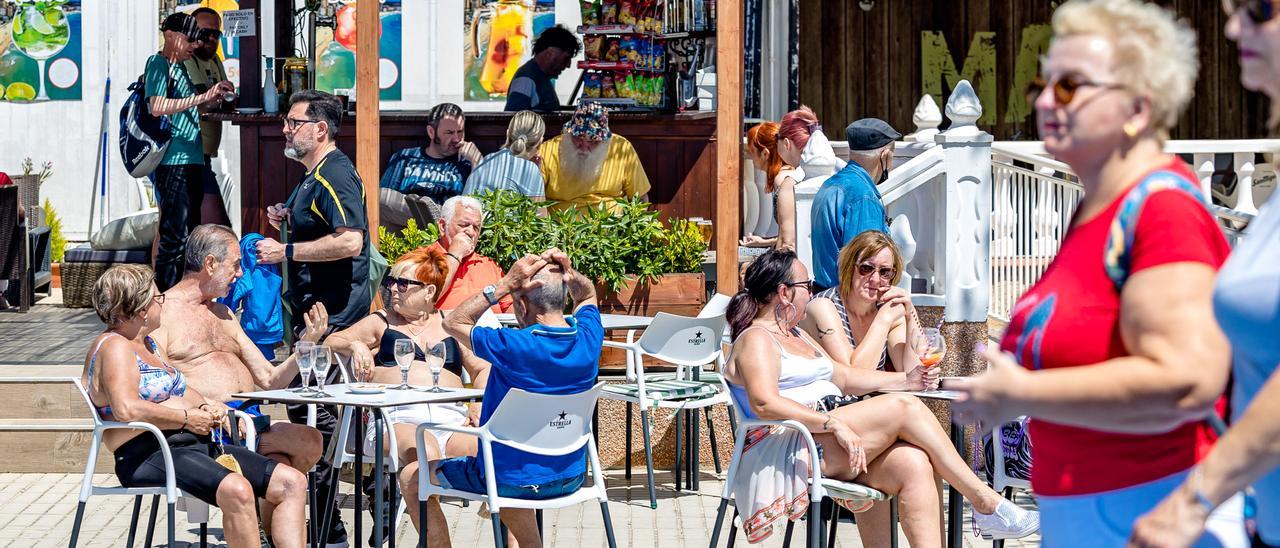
(642, 54)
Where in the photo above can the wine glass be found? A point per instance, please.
(935, 347)
(404, 358)
(435, 362)
(305, 350)
(321, 356)
(40, 31)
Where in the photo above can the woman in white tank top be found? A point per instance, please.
(777, 372)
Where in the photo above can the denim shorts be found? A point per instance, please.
(464, 474)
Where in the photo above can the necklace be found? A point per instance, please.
(407, 324)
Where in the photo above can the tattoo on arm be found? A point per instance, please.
(824, 332)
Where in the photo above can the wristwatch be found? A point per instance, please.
(288, 251)
(490, 294)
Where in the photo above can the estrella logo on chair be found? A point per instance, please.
(697, 339)
(561, 422)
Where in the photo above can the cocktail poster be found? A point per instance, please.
(499, 38)
(336, 51)
(40, 50)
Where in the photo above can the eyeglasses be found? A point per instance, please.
(158, 298)
(886, 273)
(1064, 89)
(807, 285)
(208, 35)
(1259, 11)
(292, 124)
(400, 284)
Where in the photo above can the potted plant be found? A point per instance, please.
(57, 243)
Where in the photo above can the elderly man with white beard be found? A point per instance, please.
(588, 165)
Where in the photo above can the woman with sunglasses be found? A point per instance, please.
(891, 442)
(1110, 353)
(414, 281)
(1246, 301)
(867, 322)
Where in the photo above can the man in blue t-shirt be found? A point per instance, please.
(549, 354)
(533, 86)
(848, 202)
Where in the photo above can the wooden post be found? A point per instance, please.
(729, 66)
(251, 58)
(368, 120)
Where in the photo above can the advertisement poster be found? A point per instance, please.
(229, 49)
(499, 39)
(40, 50)
(336, 51)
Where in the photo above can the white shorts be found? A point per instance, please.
(1106, 519)
(452, 414)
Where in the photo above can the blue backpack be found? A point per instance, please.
(144, 138)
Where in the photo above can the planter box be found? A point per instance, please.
(56, 271)
(682, 294)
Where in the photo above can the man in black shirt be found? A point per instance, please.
(532, 87)
(327, 256)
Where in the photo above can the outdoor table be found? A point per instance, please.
(340, 395)
(955, 502)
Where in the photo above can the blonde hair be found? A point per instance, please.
(122, 292)
(1154, 53)
(524, 133)
(862, 248)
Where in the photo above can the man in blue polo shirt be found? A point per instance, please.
(848, 202)
(549, 354)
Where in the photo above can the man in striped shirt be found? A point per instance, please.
(588, 165)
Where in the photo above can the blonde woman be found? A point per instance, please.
(1245, 302)
(1113, 353)
(514, 167)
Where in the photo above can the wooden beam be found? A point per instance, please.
(368, 120)
(729, 67)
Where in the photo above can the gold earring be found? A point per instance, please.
(1130, 130)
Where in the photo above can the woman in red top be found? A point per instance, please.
(1121, 361)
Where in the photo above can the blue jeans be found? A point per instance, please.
(464, 474)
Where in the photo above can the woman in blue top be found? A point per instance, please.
(129, 381)
(1246, 302)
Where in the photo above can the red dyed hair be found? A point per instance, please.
(764, 138)
(432, 266)
(798, 125)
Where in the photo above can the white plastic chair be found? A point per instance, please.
(687, 343)
(197, 510)
(819, 487)
(531, 423)
(1000, 478)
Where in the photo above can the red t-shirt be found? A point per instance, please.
(475, 272)
(1071, 317)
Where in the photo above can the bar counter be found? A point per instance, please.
(677, 151)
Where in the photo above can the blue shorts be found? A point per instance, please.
(464, 474)
(1106, 519)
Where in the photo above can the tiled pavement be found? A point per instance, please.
(38, 510)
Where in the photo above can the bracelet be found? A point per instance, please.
(1199, 495)
(184, 420)
(455, 257)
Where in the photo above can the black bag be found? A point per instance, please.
(144, 138)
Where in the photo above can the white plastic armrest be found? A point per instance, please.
(617, 344)
(170, 485)
(815, 468)
(424, 472)
(250, 429)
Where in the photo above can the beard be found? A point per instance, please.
(205, 54)
(295, 149)
(579, 165)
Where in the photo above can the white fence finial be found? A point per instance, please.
(963, 107)
(927, 117)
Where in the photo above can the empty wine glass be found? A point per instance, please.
(435, 362)
(305, 350)
(404, 358)
(934, 347)
(321, 356)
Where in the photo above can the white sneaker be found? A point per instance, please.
(1009, 521)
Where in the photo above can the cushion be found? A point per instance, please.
(132, 231)
(666, 390)
(85, 254)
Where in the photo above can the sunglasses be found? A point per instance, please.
(400, 284)
(807, 285)
(886, 273)
(209, 35)
(1065, 88)
(1259, 11)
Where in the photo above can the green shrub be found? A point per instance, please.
(607, 246)
(57, 242)
(392, 245)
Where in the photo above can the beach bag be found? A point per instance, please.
(144, 138)
(1015, 439)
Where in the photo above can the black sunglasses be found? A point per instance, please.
(208, 35)
(886, 273)
(1065, 88)
(400, 283)
(1259, 11)
(807, 285)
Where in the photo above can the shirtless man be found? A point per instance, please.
(203, 339)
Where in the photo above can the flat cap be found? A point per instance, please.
(870, 134)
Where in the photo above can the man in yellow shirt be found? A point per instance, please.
(588, 165)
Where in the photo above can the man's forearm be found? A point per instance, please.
(332, 247)
(458, 324)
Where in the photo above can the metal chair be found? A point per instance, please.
(689, 344)
(197, 510)
(819, 487)
(541, 424)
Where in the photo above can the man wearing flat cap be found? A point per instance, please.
(588, 165)
(848, 202)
